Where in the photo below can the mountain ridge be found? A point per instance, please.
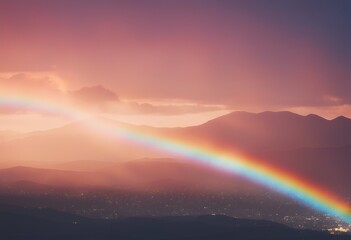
(273, 138)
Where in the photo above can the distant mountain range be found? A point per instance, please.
(309, 146)
(23, 223)
(277, 131)
(250, 132)
(141, 175)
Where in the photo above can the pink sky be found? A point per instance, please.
(173, 63)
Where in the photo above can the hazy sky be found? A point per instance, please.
(173, 63)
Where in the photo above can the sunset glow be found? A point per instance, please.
(265, 175)
(163, 119)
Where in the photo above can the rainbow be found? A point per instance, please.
(269, 176)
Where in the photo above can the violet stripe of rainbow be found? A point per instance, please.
(296, 188)
(279, 181)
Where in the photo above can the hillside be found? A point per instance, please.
(20, 223)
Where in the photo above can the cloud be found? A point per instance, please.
(247, 56)
(96, 96)
(38, 85)
(47, 87)
(96, 99)
(31, 84)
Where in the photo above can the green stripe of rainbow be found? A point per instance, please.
(274, 178)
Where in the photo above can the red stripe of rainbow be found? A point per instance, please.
(274, 178)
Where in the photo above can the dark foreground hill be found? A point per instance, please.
(20, 223)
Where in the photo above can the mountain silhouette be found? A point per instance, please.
(276, 131)
(141, 175)
(295, 143)
(249, 132)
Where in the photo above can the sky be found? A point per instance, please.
(175, 63)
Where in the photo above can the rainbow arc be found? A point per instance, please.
(269, 176)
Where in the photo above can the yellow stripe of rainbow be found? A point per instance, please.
(274, 178)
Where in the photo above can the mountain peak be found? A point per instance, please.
(243, 115)
(341, 118)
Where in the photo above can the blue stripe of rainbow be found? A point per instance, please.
(282, 182)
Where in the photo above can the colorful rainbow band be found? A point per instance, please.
(296, 188)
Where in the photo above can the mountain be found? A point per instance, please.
(248, 132)
(268, 131)
(50, 177)
(328, 167)
(142, 175)
(295, 143)
(75, 141)
(93, 166)
(83, 165)
(310, 147)
(21, 223)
